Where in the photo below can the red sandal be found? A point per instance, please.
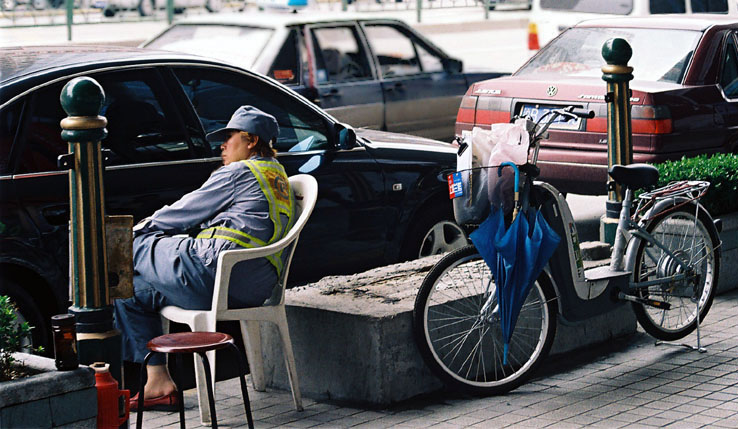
(168, 402)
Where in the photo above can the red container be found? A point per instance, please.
(108, 396)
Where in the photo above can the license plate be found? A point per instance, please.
(535, 112)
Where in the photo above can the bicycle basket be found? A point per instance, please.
(472, 207)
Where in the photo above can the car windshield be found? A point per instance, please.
(233, 44)
(578, 52)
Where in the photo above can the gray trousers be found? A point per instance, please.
(166, 272)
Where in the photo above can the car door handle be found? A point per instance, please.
(398, 86)
(332, 93)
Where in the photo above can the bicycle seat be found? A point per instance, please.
(635, 176)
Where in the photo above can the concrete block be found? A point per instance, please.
(48, 382)
(352, 337)
(596, 330)
(34, 414)
(73, 406)
(595, 250)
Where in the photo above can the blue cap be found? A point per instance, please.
(251, 120)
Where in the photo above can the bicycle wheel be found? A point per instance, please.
(462, 343)
(688, 238)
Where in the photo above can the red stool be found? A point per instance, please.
(194, 342)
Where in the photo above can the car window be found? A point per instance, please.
(709, 6)
(339, 55)
(429, 61)
(285, 68)
(394, 50)
(729, 72)
(216, 94)
(671, 6)
(9, 120)
(578, 52)
(139, 128)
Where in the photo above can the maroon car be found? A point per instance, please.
(684, 95)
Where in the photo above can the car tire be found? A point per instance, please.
(146, 7)
(109, 11)
(40, 4)
(214, 5)
(28, 311)
(435, 232)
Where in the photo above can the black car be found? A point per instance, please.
(382, 197)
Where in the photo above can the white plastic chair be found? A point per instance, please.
(305, 188)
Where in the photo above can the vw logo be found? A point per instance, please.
(551, 91)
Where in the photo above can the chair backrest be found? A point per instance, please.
(305, 188)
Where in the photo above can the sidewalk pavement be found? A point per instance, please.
(629, 382)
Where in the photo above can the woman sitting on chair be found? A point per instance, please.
(245, 203)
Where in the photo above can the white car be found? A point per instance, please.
(548, 18)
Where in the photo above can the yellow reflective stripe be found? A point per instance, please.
(275, 259)
(274, 171)
(229, 233)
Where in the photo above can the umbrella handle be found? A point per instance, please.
(517, 181)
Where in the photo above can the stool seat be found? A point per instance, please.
(189, 342)
(198, 343)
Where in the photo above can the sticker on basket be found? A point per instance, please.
(455, 189)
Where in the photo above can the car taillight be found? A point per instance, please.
(643, 120)
(467, 109)
(650, 119)
(533, 36)
(493, 110)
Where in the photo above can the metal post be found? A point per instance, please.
(486, 9)
(617, 74)
(97, 340)
(70, 18)
(170, 11)
(419, 7)
(344, 5)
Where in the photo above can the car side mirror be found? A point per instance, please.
(452, 65)
(346, 136)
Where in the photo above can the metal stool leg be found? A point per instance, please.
(180, 394)
(244, 390)
(141, 385)
(211, 395)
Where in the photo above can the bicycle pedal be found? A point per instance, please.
(645, 301)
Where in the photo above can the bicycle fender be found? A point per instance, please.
(630, 252)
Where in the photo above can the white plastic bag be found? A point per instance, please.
(511, 145)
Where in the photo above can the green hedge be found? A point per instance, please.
(720, 170)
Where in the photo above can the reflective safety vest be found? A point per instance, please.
(273, 182)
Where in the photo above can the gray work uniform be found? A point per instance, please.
(180, 270)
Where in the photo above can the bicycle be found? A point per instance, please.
(665, 262)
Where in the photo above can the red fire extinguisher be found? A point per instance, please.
(108, 413)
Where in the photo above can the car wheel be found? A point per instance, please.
(434, 234)
(39, 4)
(28, 311)
(214, 5)
(8, 4)
(109, 11)
(146, 7)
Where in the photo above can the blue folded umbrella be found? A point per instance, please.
(515, 256)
